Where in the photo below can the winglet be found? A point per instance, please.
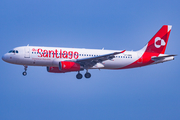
(123, 51)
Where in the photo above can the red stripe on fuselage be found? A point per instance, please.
(145, 59)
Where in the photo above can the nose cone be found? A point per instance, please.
(4, 58)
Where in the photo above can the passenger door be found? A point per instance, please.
(27, 52)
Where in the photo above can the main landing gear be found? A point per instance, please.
(86, 75)
(25, 69)
(79, 75)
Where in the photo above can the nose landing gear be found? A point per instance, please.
(25, 69)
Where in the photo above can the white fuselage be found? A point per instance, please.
(46, 56)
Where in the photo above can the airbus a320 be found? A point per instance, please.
(62, 60)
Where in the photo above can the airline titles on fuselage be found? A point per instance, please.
(56, 53)
(44, 53)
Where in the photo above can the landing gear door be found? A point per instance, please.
(26, 52)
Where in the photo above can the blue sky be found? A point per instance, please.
(150, 92)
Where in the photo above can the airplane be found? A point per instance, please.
(62, 60)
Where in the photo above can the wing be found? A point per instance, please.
(91, 61)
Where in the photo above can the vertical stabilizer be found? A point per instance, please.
(159, 41)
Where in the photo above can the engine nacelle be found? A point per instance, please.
(65, 66)
(69, 66)
(54, 70)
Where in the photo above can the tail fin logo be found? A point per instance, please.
(159, 42)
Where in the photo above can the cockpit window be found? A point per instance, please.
(10, 51)
(13, 51)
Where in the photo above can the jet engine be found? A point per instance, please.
(65, 66)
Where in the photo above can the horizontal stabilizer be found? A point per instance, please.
(161, 57)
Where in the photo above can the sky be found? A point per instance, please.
(151, 92)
